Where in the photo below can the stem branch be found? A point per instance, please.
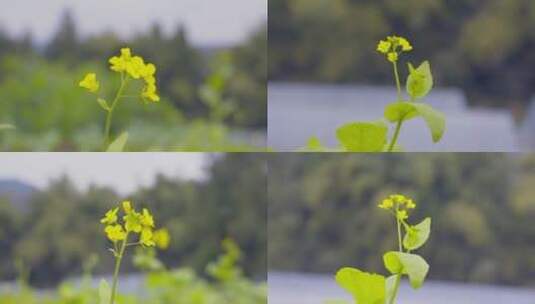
(118, 260)
(396, 76)
(110, 111)
(396, 135)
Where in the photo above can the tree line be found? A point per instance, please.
(59, 229)
(182, 68)
(484, 47)
(323, 213)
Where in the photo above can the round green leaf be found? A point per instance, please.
(400, 111)
(366, 288)
(412, 265)
(363, 136)
(420, 80)
(436, 122)
(417, 235)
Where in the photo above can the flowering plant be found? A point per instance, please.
(119, 230)
(373, 136)
(368, 288)
(130, 68)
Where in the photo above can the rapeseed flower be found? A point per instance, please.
(393, 46)
(162, 238)
(110, 217)
(115, 233)
(398, 204)
(141, 223)
(90, 82)
(136, 68)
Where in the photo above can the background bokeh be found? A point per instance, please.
(478, 49)
(43, 59)
(54, 230)
(323, 215)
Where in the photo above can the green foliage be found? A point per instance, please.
(376, 289)
(63, 117)
(55, 232)
(373, 136)
(39, 95)
(363, 136)
(365, 288)
(174, 286)
(319, 201)
(118, 144)
(417, 235)
(454, 34)
(412, 265)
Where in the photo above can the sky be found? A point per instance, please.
(209, 22)
(122, 171)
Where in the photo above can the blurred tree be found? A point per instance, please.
(323, 212)
(65, 43)
(334, 41)
(61, 229)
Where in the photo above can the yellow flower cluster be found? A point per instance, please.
(134, 222)
(136, 68)
(393, 46)
(398, 203)
(90, 82)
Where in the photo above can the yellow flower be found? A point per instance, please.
(115, 233)
(90, 82)
(146, 237)
(110, 217)
(410, 204)
(149, 92)
(146, 218)
(405, 44)
(162, 238)
(132, 222)
(392, 56)
(402, 215)
(384, 46)
(386, 204)
(127, 207)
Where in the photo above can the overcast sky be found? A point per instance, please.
(208, 22)
(124, 171)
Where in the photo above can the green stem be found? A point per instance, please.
(110, 111)
(400, 246)
(396, 76)
(396, 135)
(118, 260)
(396, 288)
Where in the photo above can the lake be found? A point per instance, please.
(298, 288)
(297, 111)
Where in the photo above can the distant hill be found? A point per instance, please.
(19, 193)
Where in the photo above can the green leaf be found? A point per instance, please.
(389, 286)
(6, 127)
(104, 292)
(412, 265)
(417, 235)
(118, 144)
(402, 111)
(436, 122)
(103, 103)
(363, 136)
(420, 80)
(366, 288)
